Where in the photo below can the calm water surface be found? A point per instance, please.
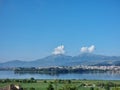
(90, 76)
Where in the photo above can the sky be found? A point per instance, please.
(33, 29)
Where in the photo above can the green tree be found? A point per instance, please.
(73, 88)
(69, 81)
(50, 87)
(107, 87)
(45, 81)
(32, 79)
(32, 88)
(97, 89)
(91, 88)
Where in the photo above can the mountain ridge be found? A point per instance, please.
(65, 60)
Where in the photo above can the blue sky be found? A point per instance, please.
(31, 29)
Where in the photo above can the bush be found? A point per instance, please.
(25, 88)
(16, 80)
(97, 89)
(107, 87)
(24, 81)
(91, 88)
(73, 88)
(68, 87)
(82, 85)
(32, 88)
(45, 81)
(69, 81)
(50, 87)
(7, 80)
(32, 79)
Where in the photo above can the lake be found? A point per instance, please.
(89, 76)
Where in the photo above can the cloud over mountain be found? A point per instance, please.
(59, 50)
(87, 49)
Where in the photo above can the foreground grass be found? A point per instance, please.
(63, 84)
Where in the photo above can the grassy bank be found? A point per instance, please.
(32, 84)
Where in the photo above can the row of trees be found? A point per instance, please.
(31, 80)
(66, 87)
(56, 70)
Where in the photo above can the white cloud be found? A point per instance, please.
(91, 49)
(59, 50)
(87, 49)
(84, 49)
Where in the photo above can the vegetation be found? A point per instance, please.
(32, 84)
(57, 70)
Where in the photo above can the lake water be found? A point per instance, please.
(89, 76)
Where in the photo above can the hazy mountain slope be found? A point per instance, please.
(14, 63)
(63, 60)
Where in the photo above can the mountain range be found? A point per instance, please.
(64, 60)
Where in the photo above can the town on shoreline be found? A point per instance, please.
(68, 69)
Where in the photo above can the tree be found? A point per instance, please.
(32, 79)
(69, 81)
(97, 89)
(50, 87)
(45, 81)
(32, 88)
(107, 87)
(91, 88)
(73, 88)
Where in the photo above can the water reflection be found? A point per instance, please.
(87, 75)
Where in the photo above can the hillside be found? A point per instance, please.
(63, 60)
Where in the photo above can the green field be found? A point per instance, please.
(32, 84)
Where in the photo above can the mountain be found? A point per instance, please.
(53, 60)
(63, 60)
(14, 63)
(93, 59)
